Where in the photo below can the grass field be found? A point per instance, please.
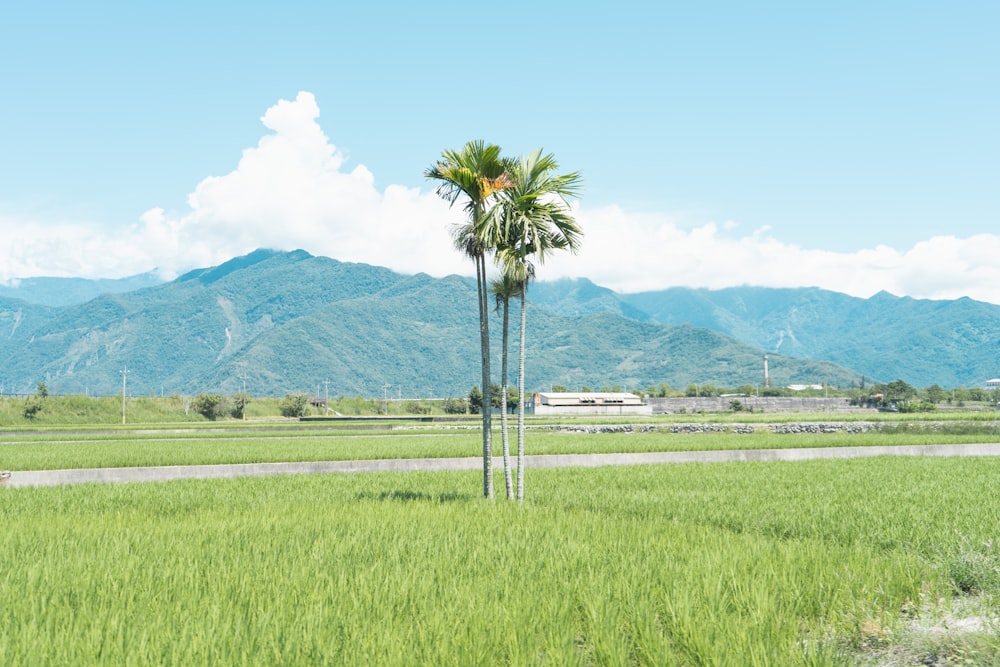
(72, 411)
(809, 563)
(873, 561)
(47, 449)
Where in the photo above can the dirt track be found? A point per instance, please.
(167, 473)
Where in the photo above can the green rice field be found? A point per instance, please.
(806, 563)
(61, 449)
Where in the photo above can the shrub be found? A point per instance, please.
(496, 397)
(293, 405)
(208, 405)
(416, 408)
(239, 405)
(32, 406)
(475, 400)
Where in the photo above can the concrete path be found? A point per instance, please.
(167, 473)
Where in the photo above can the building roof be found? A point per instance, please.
(588, 398)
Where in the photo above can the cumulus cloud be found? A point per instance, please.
(67, 249)
(294, 190)
(289, 191)
(633, 252)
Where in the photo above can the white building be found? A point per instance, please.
(590, 403)
(992, 384)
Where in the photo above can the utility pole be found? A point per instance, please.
(124, 376)
(243, 407)
(326, 397)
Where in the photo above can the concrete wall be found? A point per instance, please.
(756, 403)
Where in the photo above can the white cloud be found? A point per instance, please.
(293, 190)
(290, 191)
(66, 249)
(632, 252)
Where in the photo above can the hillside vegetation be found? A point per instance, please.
(293, 322)
(288, 321)
(925, 342)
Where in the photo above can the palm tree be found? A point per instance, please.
(476, 173)
(531, 219)
(504, 288)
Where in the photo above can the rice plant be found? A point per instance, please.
(806, 563)
(51, 449)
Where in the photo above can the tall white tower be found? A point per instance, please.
(767, 378)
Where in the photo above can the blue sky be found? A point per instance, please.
(853, 146)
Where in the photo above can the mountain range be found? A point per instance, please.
(953, 343)
(290, 321)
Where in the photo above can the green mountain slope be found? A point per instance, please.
(575, 297)
(293, 322)
(172, 336)
(604, 349)
(951, 343)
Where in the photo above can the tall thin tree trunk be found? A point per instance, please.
(484, 342)
(504, 436)
(520, 391)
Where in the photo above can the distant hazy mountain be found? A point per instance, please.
(950, 343)
(68, 291)
(292, 322)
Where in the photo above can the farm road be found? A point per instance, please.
(167, 473)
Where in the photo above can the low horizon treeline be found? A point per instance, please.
(42, 407)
